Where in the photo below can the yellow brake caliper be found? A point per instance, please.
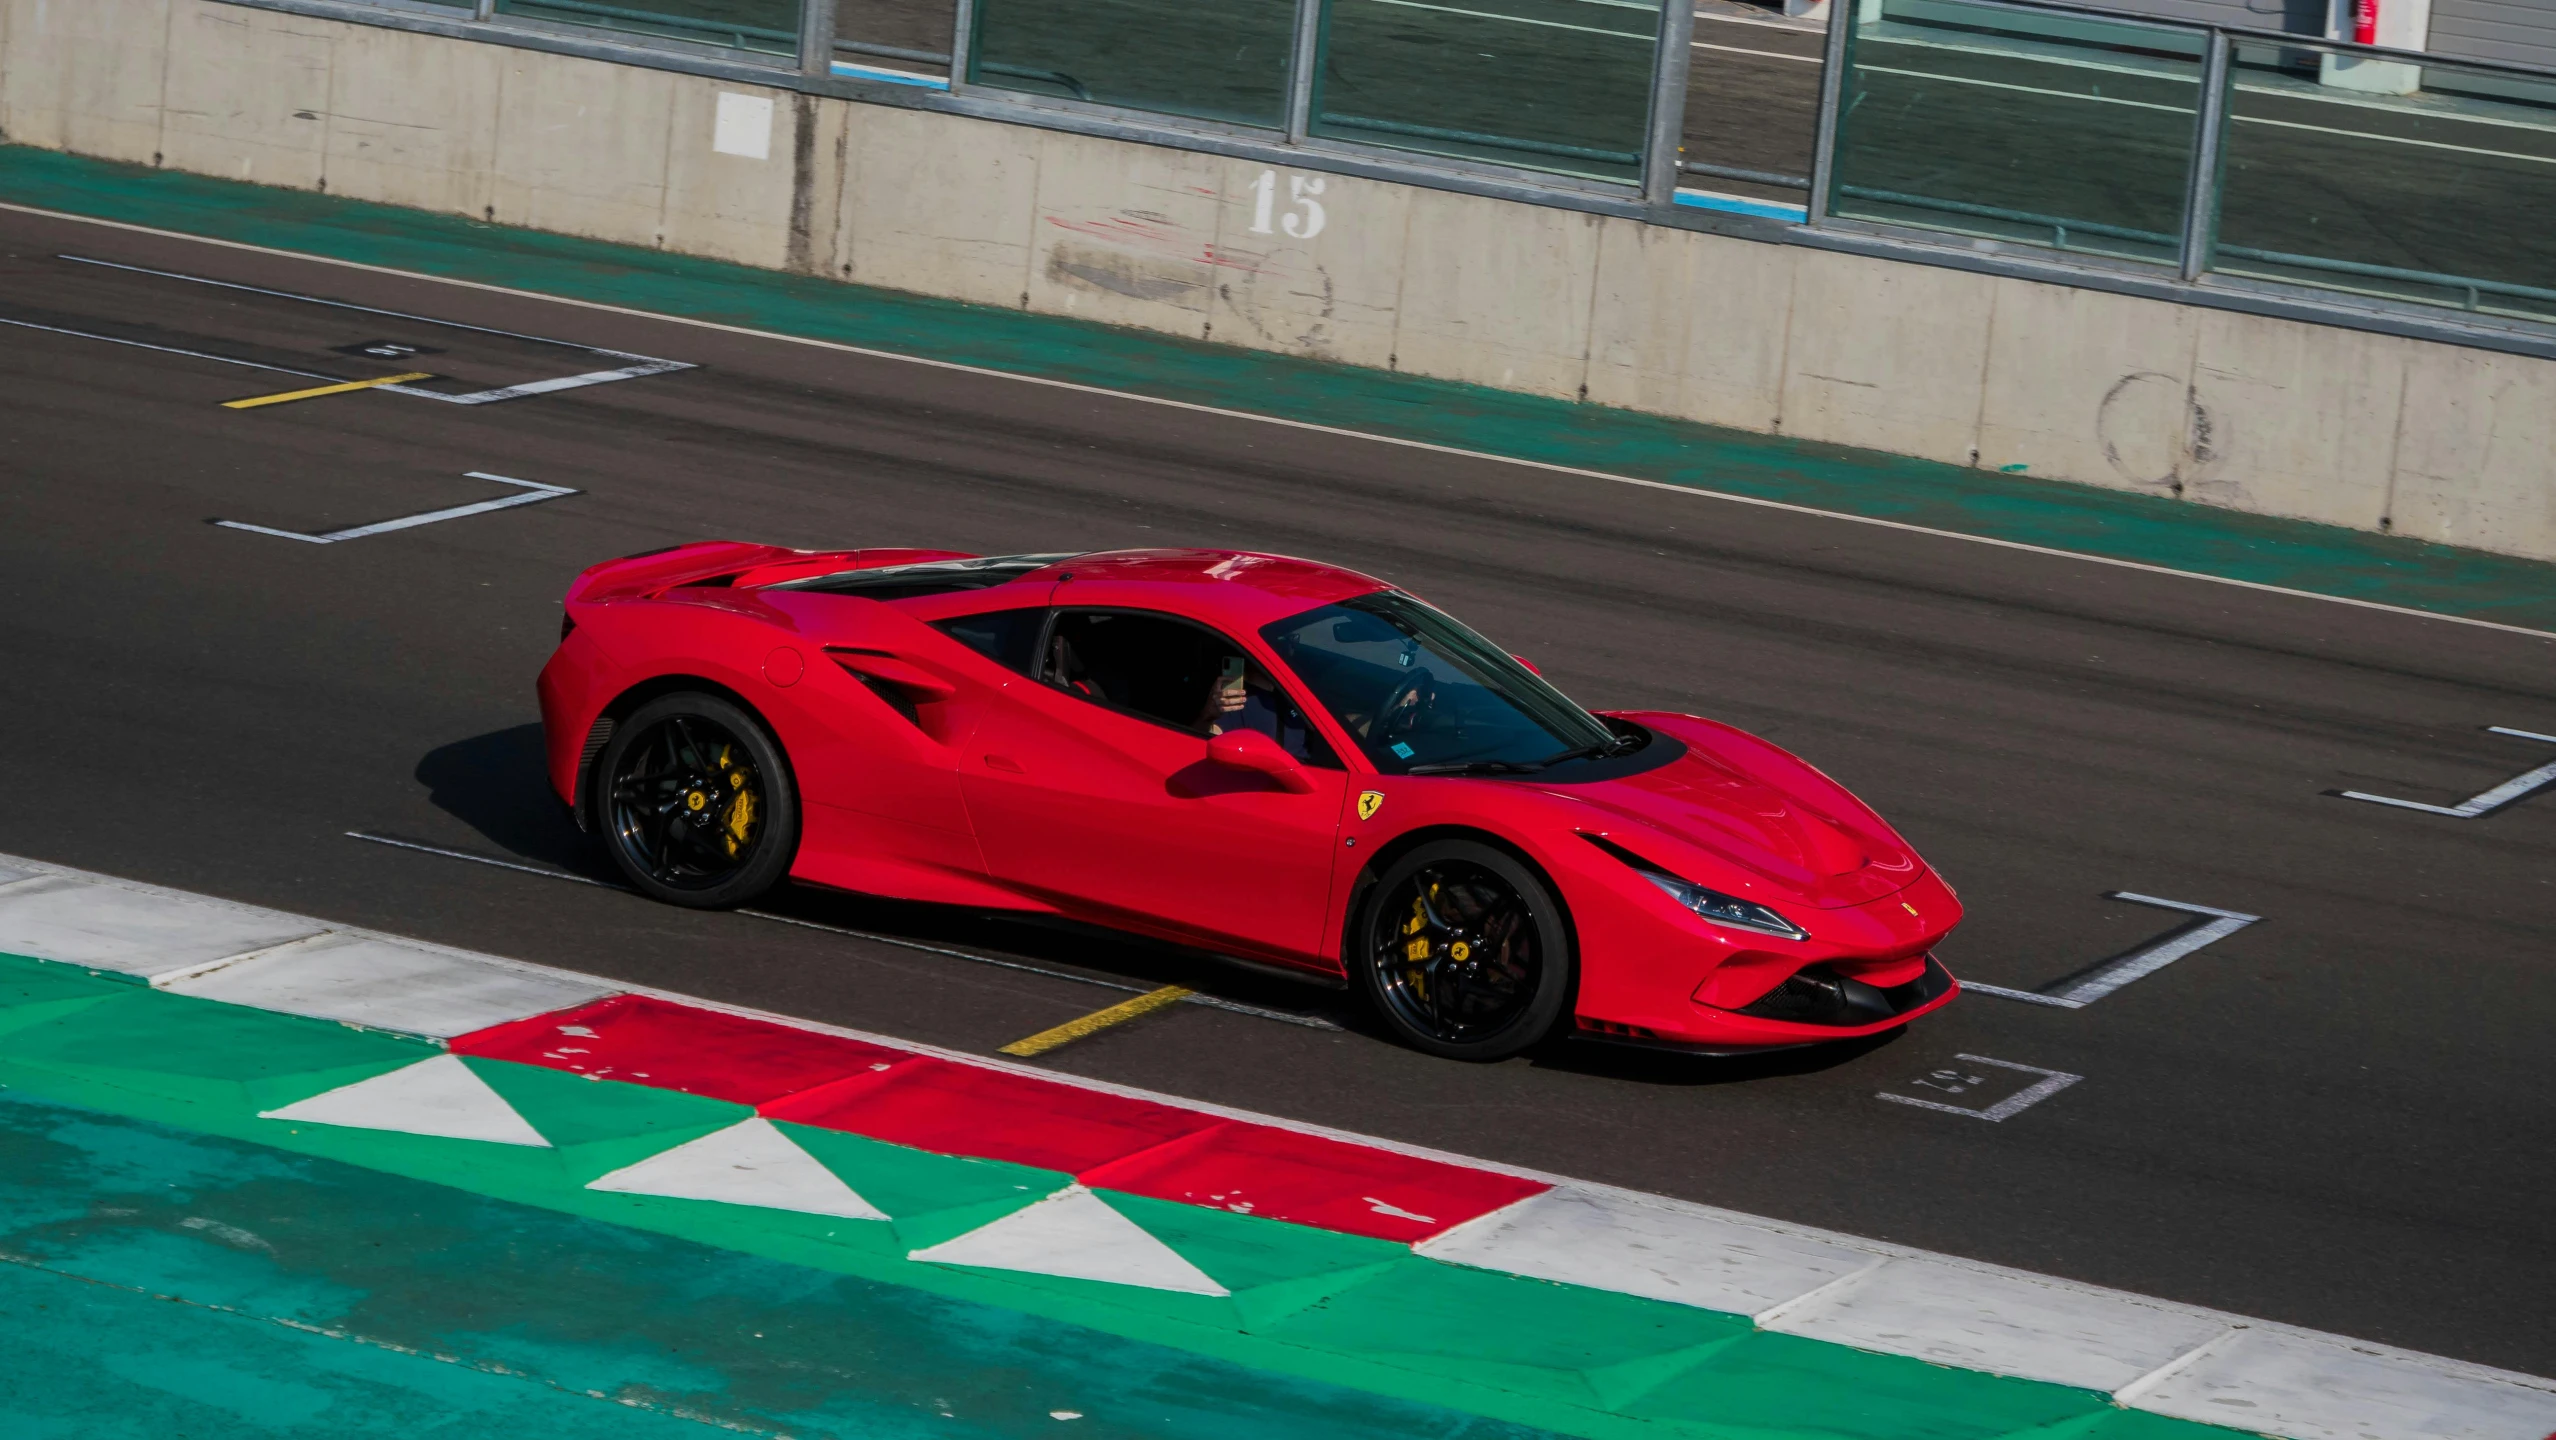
(1416, 949)
(741, 811)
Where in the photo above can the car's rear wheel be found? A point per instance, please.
(1463, 951)
(698, 806)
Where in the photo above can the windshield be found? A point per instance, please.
(1422, 695)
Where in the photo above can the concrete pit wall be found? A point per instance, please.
(2273, 416)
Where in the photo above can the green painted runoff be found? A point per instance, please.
(135, 1115)
(157, 1284)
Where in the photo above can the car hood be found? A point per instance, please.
(1751, 805)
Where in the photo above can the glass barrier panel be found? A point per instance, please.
(1207, 59)
(1752, 104)
(2429, 182)
(894, 39)
(1560, 85)
(771, 26)
(2068, 131)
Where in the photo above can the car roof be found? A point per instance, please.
(1243, 588)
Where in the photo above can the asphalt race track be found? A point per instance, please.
(2335, 1117)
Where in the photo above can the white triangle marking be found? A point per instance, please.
(432, 1097)
(1074, 1234)
(749, 1163)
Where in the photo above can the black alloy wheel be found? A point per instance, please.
(698, 805)
(1464, 951)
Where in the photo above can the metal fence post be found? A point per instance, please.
(962, 43)
(816, 37)
(484, 10)
(1669, 70)
(1300, 73)
(1832, 83)
(2201, 201)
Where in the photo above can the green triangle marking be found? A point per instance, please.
(1273, 1268)
(1620, 1384)
(923, 1229)
(27, 980)
(598, 1126)
(34, 992)
(1788, 1384)
(1263, 1306)
(32, 1013)
(931, 1198)
(228, 1056)
(1505, 1331)
(2119, 1424)
(1245, 1252)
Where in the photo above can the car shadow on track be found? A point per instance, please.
(498, 784)
(1644, 1066)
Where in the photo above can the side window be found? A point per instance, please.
(1009, 638)
(1179, 674)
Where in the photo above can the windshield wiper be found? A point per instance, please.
(1478, 767)
(1617, 746)
(1620, 745)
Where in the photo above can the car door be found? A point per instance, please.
(882, 704)
(1092, 787)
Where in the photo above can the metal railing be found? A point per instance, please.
(2206, 151)
(2197, 154)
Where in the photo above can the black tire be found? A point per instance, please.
(696, 802)
(1497, 975)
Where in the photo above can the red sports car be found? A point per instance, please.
(1263, 757)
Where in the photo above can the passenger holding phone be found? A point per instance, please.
(1231, 693)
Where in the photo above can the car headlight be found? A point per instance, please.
(1724, 909)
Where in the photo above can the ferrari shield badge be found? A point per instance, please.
(1369, 802)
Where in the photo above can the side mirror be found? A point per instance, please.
(1532, 667)
(1253, 751)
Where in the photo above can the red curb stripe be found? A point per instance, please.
(1310, 1180)
(647, 1041)
(949, 1107)
(956, 1109)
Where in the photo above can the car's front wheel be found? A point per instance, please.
(1464, 951)
(698, 806)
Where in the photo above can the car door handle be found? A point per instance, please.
(1004, 762)
(895, 670)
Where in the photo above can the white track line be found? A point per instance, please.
(647, 364)
(1305, 426)
(2139, 964)
(2518, 787)
(348, 305)
(169, 349)
(538, 493)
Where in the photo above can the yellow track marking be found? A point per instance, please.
(1097, 1021)
(252, 404)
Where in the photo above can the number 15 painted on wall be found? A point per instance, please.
(1300, 190)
